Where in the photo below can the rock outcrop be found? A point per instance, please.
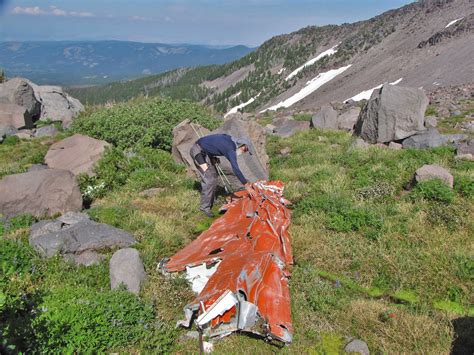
(326, 118)
(22, 103)
(346, 120)
(392, 113)
(127, 268)
(184, 136)
(40, 193)
(254, 167)
(56, 104)
(286, 127)
(19, 105)
(77, 154)
(76, 234)
(431, 138)
(431, 172)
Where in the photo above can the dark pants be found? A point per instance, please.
(208, 177)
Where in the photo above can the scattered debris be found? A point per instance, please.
(239, 267)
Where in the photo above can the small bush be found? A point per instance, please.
(376, 191)
(464, 186)
(431, 111)
(11, 140)
(342, 215)
(434, 190)
(147, 123)
(86, 321)
(450, 216)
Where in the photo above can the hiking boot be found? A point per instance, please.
(208, 213)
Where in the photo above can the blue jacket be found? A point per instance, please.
(216, 145)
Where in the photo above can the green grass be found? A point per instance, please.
(372, 260)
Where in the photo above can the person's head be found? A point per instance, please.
(242, 149)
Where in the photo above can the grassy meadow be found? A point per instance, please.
(373, 260)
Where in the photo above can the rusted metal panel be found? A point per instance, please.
(240, 267)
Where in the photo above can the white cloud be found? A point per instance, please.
(52, 11)
(57, 12)
(34, 11)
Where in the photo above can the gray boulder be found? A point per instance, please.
(14, 115)
(19, 92)
(127, 268)
(78, 154)
(56, 104)
(87, 258)
(83, 235)
(431, 138)
(348, 119)
(357, 346)
(185, 135)
(46, 131)
(431, 172)
(431, 121)
(395, 146)
(359, 143)
(254, 167)
(392, 113)
(7, 130)
(40, 193)
(37, 167)
(326, 118)
(466, 150)
(286, 127)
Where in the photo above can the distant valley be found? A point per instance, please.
(100, 62)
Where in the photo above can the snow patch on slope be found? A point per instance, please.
(238, 107)
(365, 95)
(453, 22)
(329, 52)
(309, 88)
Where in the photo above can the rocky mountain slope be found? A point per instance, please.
(424, 44)
(93, 62)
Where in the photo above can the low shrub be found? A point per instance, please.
(147, 123)
(11, 140)
(86, 321)
(464, 186)
(434, 190)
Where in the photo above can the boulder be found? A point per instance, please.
(87, 258)
(185, 135)
(392, 113)
(286, 127)
(466, 150)
(40, 193)
(83, 235)
(46, 131)
(431, 138)
(18, 91)
(127, 268)
(24, 134)
(14, 115)
(77, 154)
(326, 118)
(254, 167)
(359, 143)
(7, 130)
(395, 146)
(431, 121)
(56, 104)
(431, 172)
(37, 167)
(348, 119)
(357, 346)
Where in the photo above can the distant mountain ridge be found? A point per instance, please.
(428, 43)
(98, 62)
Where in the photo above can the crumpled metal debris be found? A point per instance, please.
(240, 267)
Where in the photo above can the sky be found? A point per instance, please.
(211, 22)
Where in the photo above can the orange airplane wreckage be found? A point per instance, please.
(239, 267)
